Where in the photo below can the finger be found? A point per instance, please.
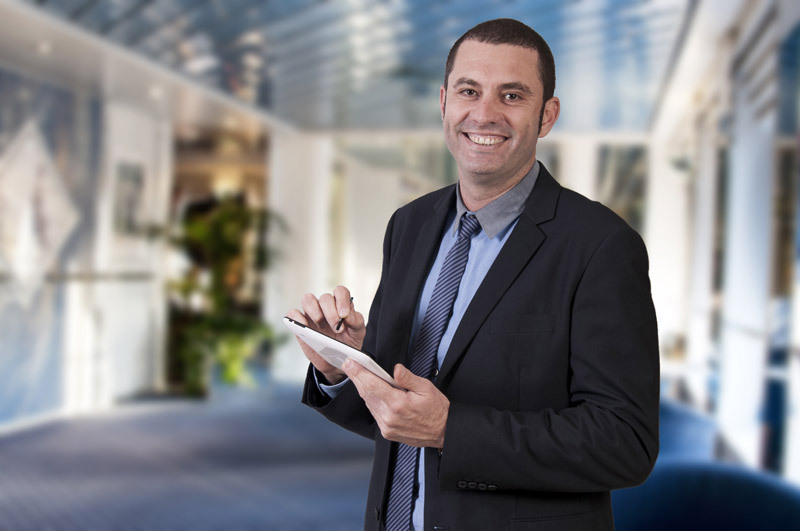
(403, 376)
(407, 379)
(344, 302)
(296, 315)
(312, 309)
(355, 320)
(312, 355)
(328, 305)
(369, 386)
(352, 369)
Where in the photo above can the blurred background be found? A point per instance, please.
(175, 174)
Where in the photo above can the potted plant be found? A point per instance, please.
(214, 328)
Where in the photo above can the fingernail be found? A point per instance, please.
(347, 365)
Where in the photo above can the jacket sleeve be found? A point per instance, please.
(347, 409)
(608, 436)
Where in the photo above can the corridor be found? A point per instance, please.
(261, 463)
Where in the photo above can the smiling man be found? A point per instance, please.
(517, 316)
(494, 109)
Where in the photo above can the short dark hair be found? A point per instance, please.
(514, 32)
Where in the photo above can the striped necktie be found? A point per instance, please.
(423, 363)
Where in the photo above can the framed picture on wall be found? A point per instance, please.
(128, 246)
(128, 200)
(136, 173)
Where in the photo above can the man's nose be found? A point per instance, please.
(486, 110)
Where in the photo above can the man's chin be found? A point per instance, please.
(481, 171)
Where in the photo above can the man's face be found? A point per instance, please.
(491, 111)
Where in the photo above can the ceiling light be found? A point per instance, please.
(155, 92)
(201, 64)
(251, 38)
(44, 48)
(252, 61)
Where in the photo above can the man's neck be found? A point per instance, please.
(476, 195)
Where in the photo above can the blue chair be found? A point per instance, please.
(689, 491)
(692, 495)
(685, 433)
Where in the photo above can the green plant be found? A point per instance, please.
(212, 323)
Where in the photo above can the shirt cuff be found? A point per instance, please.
(330, 390)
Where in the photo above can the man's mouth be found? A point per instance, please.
(485, 140)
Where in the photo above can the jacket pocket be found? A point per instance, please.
(575, 522)
(526, 323)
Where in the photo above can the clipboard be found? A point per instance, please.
(335, 352)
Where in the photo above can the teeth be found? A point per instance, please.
(485, 140)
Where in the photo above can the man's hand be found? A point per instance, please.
(322, 315)
(416, 417)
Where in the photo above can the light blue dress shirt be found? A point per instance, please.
(497, 220)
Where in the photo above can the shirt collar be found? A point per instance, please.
(498, 214)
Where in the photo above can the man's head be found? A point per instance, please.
(515, 33)
(496, 102)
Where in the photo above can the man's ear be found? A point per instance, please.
(552, 108)
(442, 100)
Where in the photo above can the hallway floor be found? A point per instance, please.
(261, 463)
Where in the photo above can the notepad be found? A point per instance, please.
(335, 352)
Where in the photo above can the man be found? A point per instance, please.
(530, 303)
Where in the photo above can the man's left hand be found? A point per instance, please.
(416, 417)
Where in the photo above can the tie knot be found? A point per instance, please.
(469, 226)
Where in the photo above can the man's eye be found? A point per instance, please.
(512, 97)
(468, 92)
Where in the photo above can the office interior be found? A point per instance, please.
(134, 134)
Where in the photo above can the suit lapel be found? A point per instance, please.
(429, 236)
(518, 250)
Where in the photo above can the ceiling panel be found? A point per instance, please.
(331, 64)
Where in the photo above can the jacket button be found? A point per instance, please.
(462, 484)
(472, 484)
(481, 486)
(492, 487)
(435, 373)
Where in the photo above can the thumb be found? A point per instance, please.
(406, 378)
(351, 368)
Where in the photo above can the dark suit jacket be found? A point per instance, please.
(553, 373)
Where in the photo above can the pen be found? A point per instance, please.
(341, 320)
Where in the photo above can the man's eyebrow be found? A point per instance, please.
(466, 81)
(516, 86)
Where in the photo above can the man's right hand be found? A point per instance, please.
(322, 315)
